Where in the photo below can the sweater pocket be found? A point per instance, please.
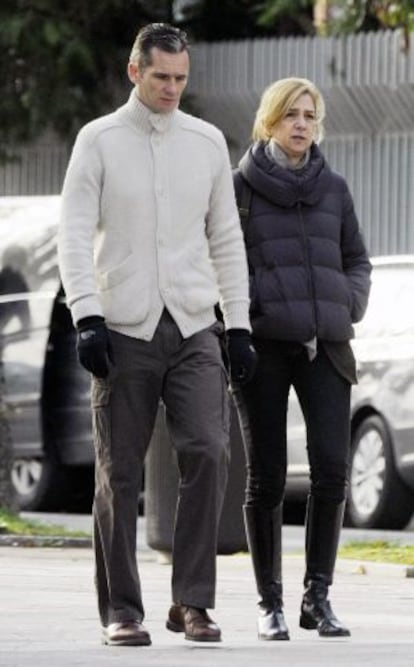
(196, 283)
(125, 292)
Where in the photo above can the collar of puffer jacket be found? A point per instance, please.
(284, 187)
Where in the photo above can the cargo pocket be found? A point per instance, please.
(226, 398)
(101, 419)
(217, 329)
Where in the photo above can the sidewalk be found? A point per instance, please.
(48, 615)
(293, 536)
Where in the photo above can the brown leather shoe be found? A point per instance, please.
(126, 633)
(195, 623)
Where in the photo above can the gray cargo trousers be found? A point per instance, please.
(189, 375)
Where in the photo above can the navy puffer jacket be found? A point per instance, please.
(309, 268)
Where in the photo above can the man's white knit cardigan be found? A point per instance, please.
(149, 220)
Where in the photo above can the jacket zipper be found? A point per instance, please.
(308, 266)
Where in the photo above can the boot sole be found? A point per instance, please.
(282, 636)
(175, 627)
(339, 633)
(126, 642)
(310, 624)
(202, 639)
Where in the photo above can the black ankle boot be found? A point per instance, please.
(323, 525)
(316, 612)
(264, 536)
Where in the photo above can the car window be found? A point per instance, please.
(390, 311)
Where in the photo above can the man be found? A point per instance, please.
(149, 242)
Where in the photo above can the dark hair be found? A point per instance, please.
(160, 35)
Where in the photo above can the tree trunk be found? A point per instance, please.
(7, 497)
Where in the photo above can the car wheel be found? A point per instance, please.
(39, 484)
(377, 496)
(31, 478)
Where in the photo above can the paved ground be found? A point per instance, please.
(48, 615)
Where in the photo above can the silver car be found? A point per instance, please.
(46, 391)
(381, 490)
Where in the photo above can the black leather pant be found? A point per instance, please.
(324, 397)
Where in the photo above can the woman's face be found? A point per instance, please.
(296, 130)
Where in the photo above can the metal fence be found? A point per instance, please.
(380, 172)
(368, 85)
(367, 79)
(36, 170)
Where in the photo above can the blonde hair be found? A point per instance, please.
(278, 98)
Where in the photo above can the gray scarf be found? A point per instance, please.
(275, 153)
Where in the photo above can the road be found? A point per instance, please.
(48, 615)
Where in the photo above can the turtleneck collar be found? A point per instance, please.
(143, 116)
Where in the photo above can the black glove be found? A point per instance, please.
(94, 345)
(242, 355)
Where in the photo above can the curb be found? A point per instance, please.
(369, 567)
(357, 567)
(45, 541)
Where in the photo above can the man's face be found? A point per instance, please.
(161, 84)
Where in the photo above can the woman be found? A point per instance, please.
(309, 274)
